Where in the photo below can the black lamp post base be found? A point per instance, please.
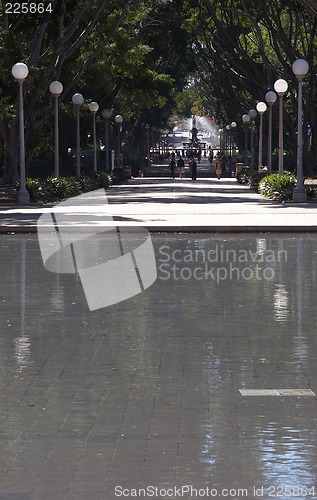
(299, 195)
(23, 197)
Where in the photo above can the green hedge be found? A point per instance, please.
(54, 189)
(250, 178)
(278, 186)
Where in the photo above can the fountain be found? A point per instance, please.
(198, 126)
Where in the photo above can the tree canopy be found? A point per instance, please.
(150, 59)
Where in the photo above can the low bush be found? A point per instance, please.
(243, 177)
(278, 186)
(311, 191)
(250, 178)
(54, 189)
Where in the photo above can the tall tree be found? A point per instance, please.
(244, 46)
(63, 43)
(130, 55)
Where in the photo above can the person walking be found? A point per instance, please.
(194, 169)
(172, 166)
(218, 167)
(181, 167)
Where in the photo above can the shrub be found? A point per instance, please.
(250, 178)
(255, 179)
(278, 186)
(54, 189)
(311, 191)
(243, 177)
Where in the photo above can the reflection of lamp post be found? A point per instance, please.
(280, 87)
(77, 101)
(261, 108)
(56, 88)
(94, 106)
(270, 98)
(246, 120)
(119, 119)
(252, 114)
(106, 115)
(20, 71)
(300, 69)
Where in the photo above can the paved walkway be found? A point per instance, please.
(175, 204)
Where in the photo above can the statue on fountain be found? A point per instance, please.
(194, 147)
(195, 139)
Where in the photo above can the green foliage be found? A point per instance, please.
(134, 159)
(242, 48)
(53, 189)
(278, 186)
(244, 176)
(250, 178)
(130, 56)
(311, 191)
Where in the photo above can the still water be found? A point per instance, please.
(146, 392)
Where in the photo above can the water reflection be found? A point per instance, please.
(280, 303)
(22, 351)
(57, 297)
(285, 456)
(300, 347)
(261, 246)
(223, 329)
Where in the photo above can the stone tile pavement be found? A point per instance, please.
(163, 204)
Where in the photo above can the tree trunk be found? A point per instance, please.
(11, 173)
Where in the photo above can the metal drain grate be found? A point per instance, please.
(276, 392)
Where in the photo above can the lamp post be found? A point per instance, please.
(246, 120)
(106, 115)
(221, 139)
(20, 71)
(77, 101)
(270, 98)
(56, 88)
(261, 108)
(119, 119)
(252, 114)
(232, 126)
(300, 69)
(93, 107)
(280, 87)
(227, 140)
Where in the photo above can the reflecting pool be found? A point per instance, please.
(145, 393)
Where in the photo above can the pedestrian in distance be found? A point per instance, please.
(172, 166)
(194, 169)
(181, 167)
(218, 167)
